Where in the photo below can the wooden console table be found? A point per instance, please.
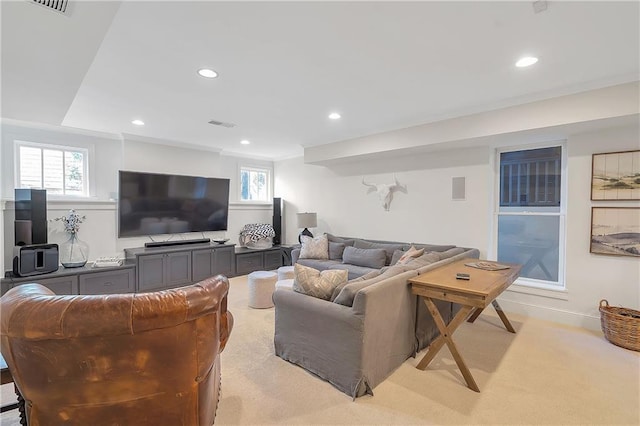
(474, 295)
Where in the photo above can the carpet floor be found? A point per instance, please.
(545, 374)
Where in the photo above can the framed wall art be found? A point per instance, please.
(615, 231)
(615, 176)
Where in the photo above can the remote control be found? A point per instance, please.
(461, 276)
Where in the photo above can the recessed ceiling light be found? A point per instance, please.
(245, 142)
(205, 72)
(138, 122)
(334, 116)
(526, 61)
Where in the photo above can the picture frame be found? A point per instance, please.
(615, 176)
(615, 231)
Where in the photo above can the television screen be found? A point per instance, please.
(150, 204)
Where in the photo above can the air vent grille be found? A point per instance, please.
(57, 5)
(221, 123)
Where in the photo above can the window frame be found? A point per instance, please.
(531, 285)
(255, 168)
(86, 152)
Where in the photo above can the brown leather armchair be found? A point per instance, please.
(126, 359)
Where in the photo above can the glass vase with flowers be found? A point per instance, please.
(74, 252)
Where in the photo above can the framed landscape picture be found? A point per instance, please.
(615, 231)
(615, 176)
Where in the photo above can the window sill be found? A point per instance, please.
(535, 288)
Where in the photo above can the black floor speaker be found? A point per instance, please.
(277, 220)
(31, 216)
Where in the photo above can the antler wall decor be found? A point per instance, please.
(385, 191)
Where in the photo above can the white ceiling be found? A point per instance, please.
(284, 66)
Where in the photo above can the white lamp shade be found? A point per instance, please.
(307, 220)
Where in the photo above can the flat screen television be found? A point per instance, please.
(152, 203)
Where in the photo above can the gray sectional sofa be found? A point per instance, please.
(373, 326)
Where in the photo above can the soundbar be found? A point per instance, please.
(176, 242)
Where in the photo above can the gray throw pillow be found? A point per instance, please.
(370, 258)
(349, 291)
(389, 248)
(368, 275)
(318, 284)
(424, 260)
(432, 247)
(335, 250)
(397, 254)
(451, 252)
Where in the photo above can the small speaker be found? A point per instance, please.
(458, 191)
(31, 205)
(35, 259)
(277, 220)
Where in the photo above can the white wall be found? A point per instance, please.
(112, 153)
(427, 214)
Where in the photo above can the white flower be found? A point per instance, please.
(71, 221)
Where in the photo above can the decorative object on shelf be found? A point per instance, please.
(306, 220)
(615, 231)
(220, 240)
(74, 252)
(385, 191)
(621, 326)
(615, 176)
(257, 235)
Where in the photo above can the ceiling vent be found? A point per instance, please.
(59, 6)
(221, 123)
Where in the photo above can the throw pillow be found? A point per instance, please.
(318, 284)
(397, 254)
(389, 248)
(349, 291)
(335, 250)
(412, 253)
(314, 248)
(368, 275)
(370, 258)
(426, 259)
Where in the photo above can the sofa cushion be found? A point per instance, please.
(314, 248)
(335, 250)
(388, 248)
(370, 258)
(355, 271)
(316, 283)
(410, 254)
(320, 264)
(349, 291)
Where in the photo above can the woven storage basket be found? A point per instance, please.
(621, 326)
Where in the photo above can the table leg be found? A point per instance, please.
(503, 316)
(475, 315)
(445, 337)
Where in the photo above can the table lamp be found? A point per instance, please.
(306, 220)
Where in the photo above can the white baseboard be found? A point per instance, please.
(551, 314)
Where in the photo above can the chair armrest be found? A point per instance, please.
(295, 253)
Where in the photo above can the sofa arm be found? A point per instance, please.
(295, 254)
(322, 337)
(389, 310)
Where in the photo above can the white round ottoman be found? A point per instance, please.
(285, 284)
(261, 287)
(285, 273)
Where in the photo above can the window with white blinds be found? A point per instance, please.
(61, 170)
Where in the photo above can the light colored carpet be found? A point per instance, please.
(545, 374)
